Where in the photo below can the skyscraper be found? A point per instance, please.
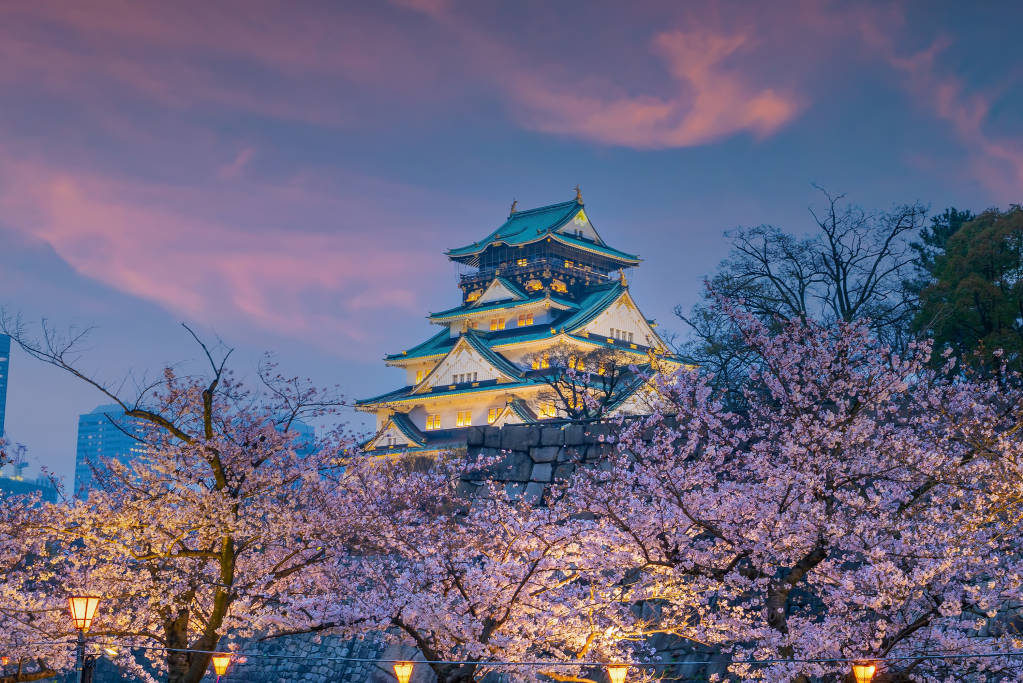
(99, 439)
(5, 361)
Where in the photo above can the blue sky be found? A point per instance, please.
(286, 176)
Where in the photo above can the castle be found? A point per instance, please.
(543, 280)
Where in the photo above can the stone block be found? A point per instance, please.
(534, 492)
(491, 437)
(514, 489)
(474, 437)
(574, 435)
(564, 471)
(542, 472)
(572, 454)
(552, 436)
(519, 437)
(545, 453)
(516, 467)
(598, 433)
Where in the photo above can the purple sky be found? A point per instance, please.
(287, 175)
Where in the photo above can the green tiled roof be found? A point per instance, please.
(595, 303)
(405, 426)
(576, 315)
(533, 225)
(602, 249)
(499, 305)
(406, 393)
(495, 359)
(438, 343)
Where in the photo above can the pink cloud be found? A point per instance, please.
(297, 282)
(995, 160)
(706, 100)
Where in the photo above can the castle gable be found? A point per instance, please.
(621, 320)
(470, 361)
(397, 431)
(500, 290)
(579, 226)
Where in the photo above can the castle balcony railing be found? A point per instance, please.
(557, 266)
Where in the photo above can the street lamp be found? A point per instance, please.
(403, 671)
(863, 672)
(616, 672)
(83, 610)
(220, 662)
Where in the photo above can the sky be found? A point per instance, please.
(285, 176)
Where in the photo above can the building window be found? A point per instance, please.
(569, 264)
(576, 363)
(525, 319)
(433, 421)
(419, 376)
(492, 416)
(521, 262)
(496, 324)
(547, 410)
(543, 361)
(464, 418)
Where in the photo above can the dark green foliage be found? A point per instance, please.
(973, 303)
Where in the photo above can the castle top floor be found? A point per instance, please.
(553, 248)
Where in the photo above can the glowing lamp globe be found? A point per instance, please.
(83, 609)
(616, 672)
(5, 660)
(403, 671)
(220, 662)
(863, 672)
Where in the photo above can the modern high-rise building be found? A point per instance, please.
(5, 363)
(104, 434)
(544, 280)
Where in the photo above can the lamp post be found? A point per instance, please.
(616, 672)
(403, 671)
(83, 609)
(863, 672)
(221, 660)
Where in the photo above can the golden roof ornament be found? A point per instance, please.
(621, 277)
(578, 195)
(515, 202)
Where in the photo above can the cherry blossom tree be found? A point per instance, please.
(212, 533)
(861, 506)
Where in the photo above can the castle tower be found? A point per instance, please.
(543, 280)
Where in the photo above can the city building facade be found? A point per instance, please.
(544, 280)
(104, 434)
(5, 364)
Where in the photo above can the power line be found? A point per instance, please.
(562, 663)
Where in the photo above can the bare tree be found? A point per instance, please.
(584, 385)
(854, 266)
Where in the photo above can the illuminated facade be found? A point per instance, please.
(544, 279)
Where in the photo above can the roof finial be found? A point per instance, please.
(621, 277)
(515, 202)
(578, 195)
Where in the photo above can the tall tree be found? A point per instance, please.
(862, 506)
(974, 302)
(853, 266)
(212, 532)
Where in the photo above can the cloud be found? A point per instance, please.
(166, 244)
(706, 100)
(995, 160)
